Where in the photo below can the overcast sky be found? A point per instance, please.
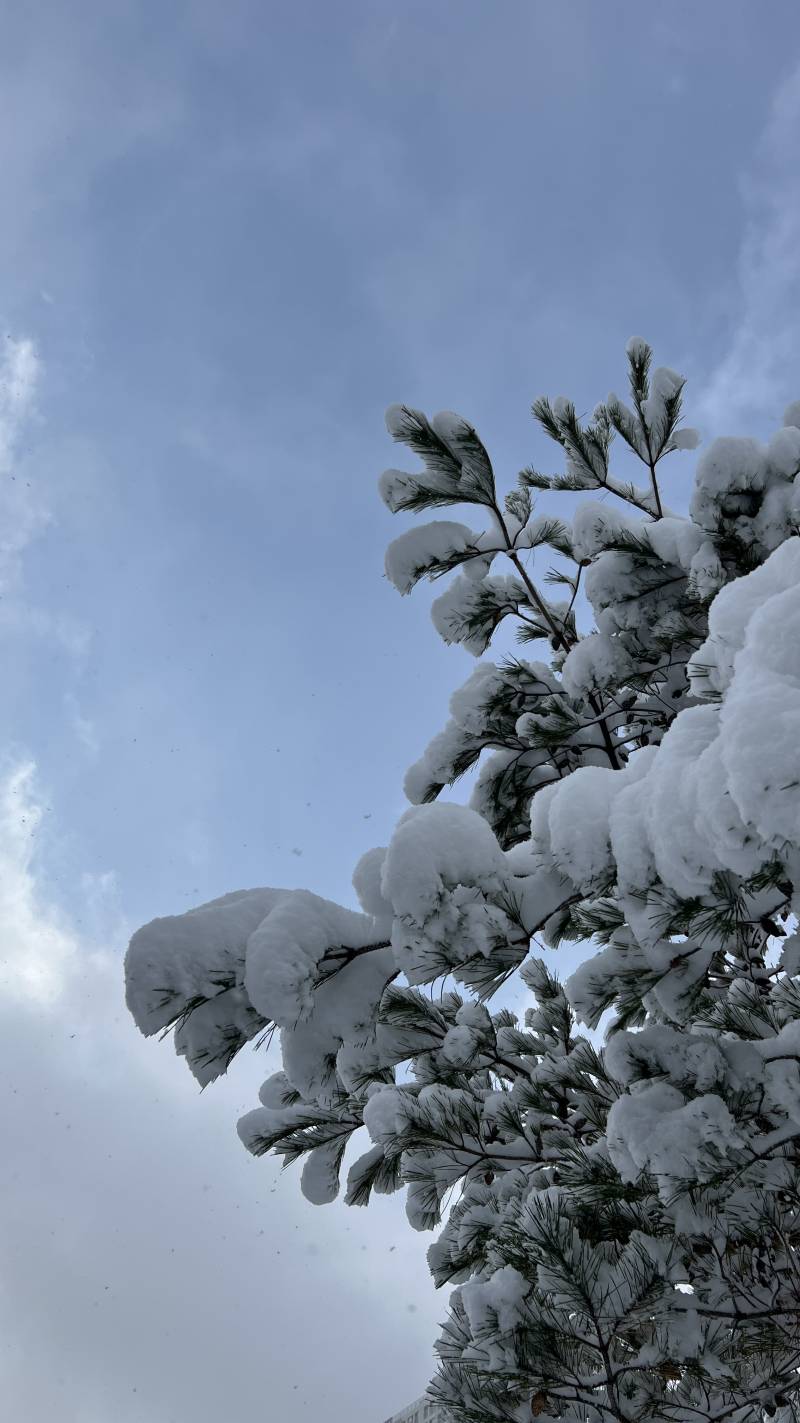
(233, 232)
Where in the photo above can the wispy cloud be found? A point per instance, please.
(37, 945)
(29, 498)
(758, 374)
(22, 510)
(19, 378)
(83, 726)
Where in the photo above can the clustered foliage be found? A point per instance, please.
(620, 1221)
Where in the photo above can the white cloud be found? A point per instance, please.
(758, 374)
(28, 494)
(22, 510)
(150, 1271)
(19, 377)
(37, 943)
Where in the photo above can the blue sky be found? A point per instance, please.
(232, 234)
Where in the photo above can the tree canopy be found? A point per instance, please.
(617, 1208)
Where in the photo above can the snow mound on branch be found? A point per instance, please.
(187, 956)
(436, 848)
(636, 348)
(462, 737)
(732, 464)
(764, 692)
(597, 526)
(225, 970)
(469, 610)
(383, 1114)
(468, 702)
(731, 616)
(284, 951)
(595, 663)
(747, 490)
(714, 795)
(344, 1012)
(657, 1130)
(275, 1091)
(499, 1299)
(571, 824)
(367, 883)
(674, 541)
(436, 766)
(451, 891)
(319, 1180)
(420, 550)
(395, 486)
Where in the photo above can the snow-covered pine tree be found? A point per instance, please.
(622, 1230)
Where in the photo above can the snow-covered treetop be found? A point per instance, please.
(620, 1222)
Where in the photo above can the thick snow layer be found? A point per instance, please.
(469, 610)
(254, 1126)
(594, 663)
(636, 348)
(274, 1091)
(730, 465)
(762, 770)
(425, 549)
(185, 956)
(686, 1060)
(630, 846)
(395, 487)
(665, 383)
(500, 1298)
(596, 526)
(383, 1114)
(367, 883)
(435, 767)
(468, 702)
(674, 540)
(460, 1045)
(731, 615)
(747, 489)
(450, 888)
(714, 795)
(707, 572)
(344, 1011)
(539, 895)
(283, 953)
(684, 859)
(254, 957)
(319, 1181)
(464, 732)
(657, 1130)
(571, 824)
(434, 849)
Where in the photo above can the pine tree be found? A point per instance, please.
(620, 1221)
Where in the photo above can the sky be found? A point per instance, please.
(231, 235)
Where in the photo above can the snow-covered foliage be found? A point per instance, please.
(620, 1221)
